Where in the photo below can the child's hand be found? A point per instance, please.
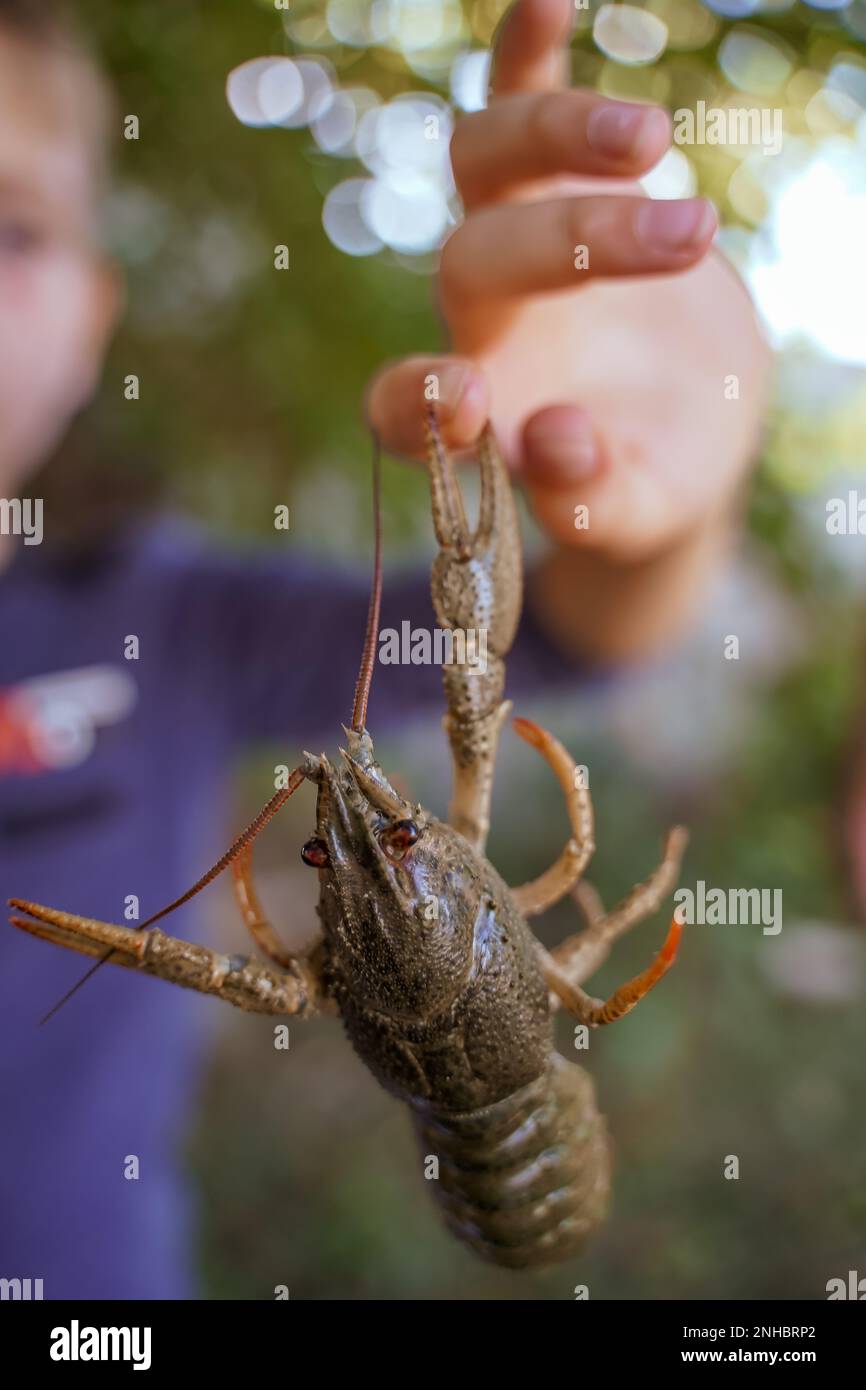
(640, 398)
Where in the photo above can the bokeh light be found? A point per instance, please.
(264, 91)
(407, 211)
(470, 75)
(754, 62)
(344, 222)
(673, 177)
(357, 24)
(828, 4)
(733, 9)
(279, 91)
(335, 127)
(629, 34)
(845, 90)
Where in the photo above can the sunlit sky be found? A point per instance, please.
(808, 275)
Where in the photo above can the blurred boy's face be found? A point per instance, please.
(58, 297)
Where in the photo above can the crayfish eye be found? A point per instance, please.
(315, 853)
(399, 837)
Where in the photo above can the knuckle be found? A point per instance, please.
(545, 119)
(452, 258)
(461, 147)
(573, 221)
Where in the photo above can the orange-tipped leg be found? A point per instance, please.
(580, 956)
(253, 913)
(556, 881)
(596, 1012)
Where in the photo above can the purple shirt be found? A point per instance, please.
(114, 780)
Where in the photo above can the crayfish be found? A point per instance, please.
(425, 952)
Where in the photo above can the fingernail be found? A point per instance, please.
(614, 130)
(672, 225)
(453, 383)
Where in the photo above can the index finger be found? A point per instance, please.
(531, 50)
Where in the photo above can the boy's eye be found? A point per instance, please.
(18, 238)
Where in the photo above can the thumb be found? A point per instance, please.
(398, 394)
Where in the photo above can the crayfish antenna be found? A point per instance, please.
(245, 838)
(368, 658)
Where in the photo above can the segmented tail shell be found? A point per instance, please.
(526, 1180)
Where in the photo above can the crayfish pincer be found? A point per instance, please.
(425, 952)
